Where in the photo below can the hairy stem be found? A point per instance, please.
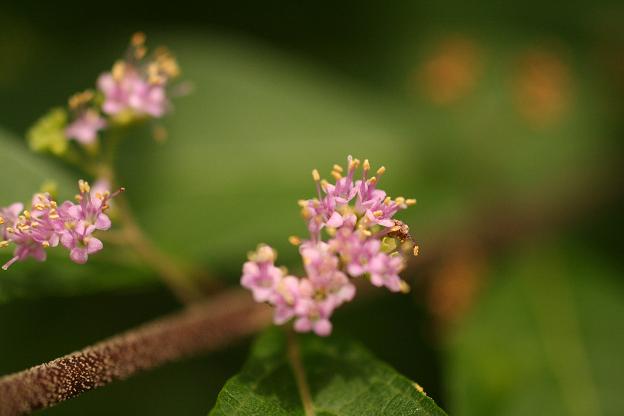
(201, 327)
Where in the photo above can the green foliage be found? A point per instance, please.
(343, 379)
(48, 133)
(543, 337)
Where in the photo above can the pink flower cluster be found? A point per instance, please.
(364, 241)
(46, 224)
(134, 88)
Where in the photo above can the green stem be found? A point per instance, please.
(294, 357)
(172, 275)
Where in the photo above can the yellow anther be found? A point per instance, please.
(337, 168)
(138, 39)
(366, 165)
(4, 244)
(336, 175)
(140, 52)
(373, 180)
(302, 203)
(400, 200)
(294, 240)
(416, 250)
(80, 98)
(1, 220)
(387, 200)
(27, 214)
(84, 186)
(381, 170)
(367, 233)
(45, 244)
(53, 204)
(324, 184)
(378, 213)
(316, 176)
(10, 230)
(410, 201)
(404, 287)
(119, 68)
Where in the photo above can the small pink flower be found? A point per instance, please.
(384, 271)
(260, 274)
(314, 316)
(46, 224)
(80, 245)
(84, 128)
(132, 91)
(285, 299)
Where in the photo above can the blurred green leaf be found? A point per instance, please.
(343, 379)
(23, 172)
(241, 147)
(544, 336)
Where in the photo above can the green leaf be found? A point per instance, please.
(24, 173)
(543, 339)
(342, 379)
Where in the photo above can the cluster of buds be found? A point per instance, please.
(363, 242)
(48, 224)
(135, 89)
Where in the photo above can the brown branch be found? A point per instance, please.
(203, 327)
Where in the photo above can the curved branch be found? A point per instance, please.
(202, 327)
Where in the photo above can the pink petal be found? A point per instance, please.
(79, 255)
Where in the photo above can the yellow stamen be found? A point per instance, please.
(45, 244)
(1, 220)
(416, 250)
(138, 39)
(400, 200)
(337, 168)
(410, 201)
(381, 170)
(4, 244)
(373, 180)
(404, 287)
(294, 240)
(366, 165)
(83, 186)
(378, 213)
(118, 70)
(336, 175)
(316, 176)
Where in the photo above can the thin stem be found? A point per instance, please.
(172, 275)
(131, 234)
(294, 357)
